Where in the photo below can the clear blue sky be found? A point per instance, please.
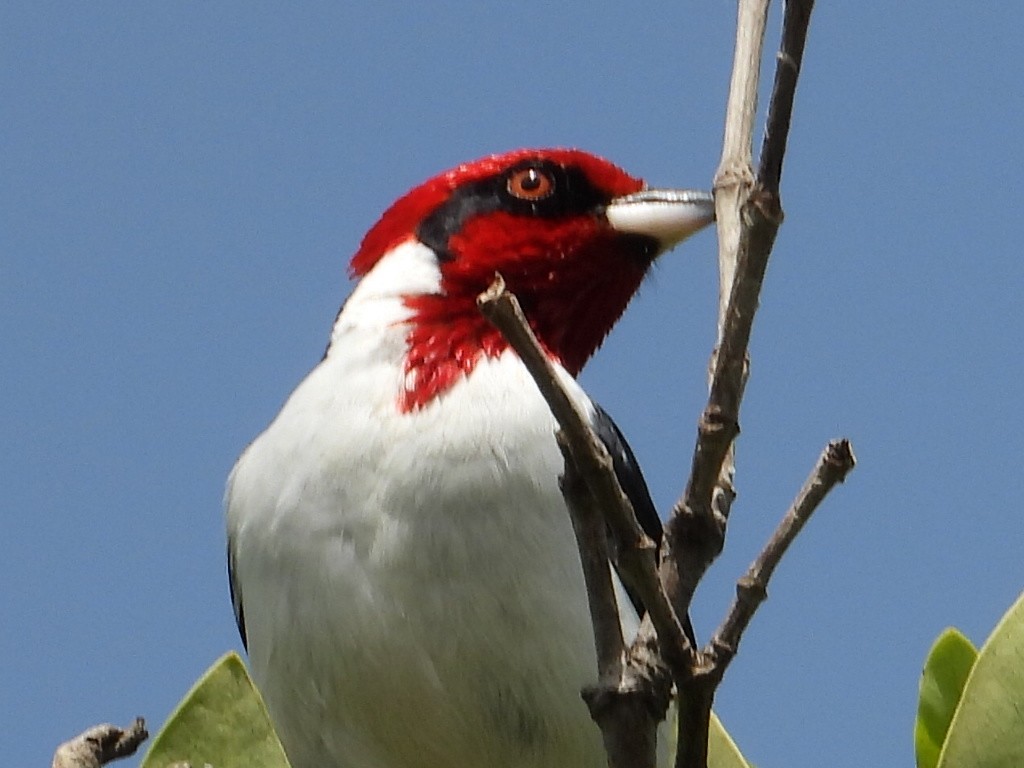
(182, 184)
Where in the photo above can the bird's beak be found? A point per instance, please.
(668, 215)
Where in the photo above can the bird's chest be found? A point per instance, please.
(420, 561)
(462, 490)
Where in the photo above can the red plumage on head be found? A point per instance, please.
(573, 274)
(399, 222)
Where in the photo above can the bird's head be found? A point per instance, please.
(572, 234)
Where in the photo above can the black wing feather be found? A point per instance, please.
(236, 595)
(627, 470)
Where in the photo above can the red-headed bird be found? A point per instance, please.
(402, 564)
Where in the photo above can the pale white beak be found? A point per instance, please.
(668, 215)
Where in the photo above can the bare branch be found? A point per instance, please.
(632, 693)
(694, 534)
(697, 697)
(833, 465)
(592, 542)
(735, 175)
(635, 556)
(780, 109)
(100, 745)
(749, 213)
(502, 310)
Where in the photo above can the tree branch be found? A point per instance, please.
(100, 745)
(632, 693)
(748, 213)
(695, 532)
(833, 465)
(633, 686)
(795, 22)
(635, 555)
(502, 310)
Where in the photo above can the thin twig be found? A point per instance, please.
(502, 310)
(616, 702)
(100, 745)
(591, 539)
(636, 553)
(694, 534)
(780, 109)
(833, 465)
(749, 213)
(632, 692)
(735, 175)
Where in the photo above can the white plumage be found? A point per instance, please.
(403, 567)
(372, 544)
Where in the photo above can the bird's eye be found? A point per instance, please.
(531, 184)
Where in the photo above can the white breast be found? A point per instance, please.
(410, 582)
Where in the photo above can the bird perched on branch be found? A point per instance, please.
(402, 564)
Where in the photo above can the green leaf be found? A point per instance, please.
(221, 722)
(988, 727)
(942, 682)
(722, 750)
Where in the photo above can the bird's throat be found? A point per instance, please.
(448, 337)
(446, 340)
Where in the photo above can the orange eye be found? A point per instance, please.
(531, 184)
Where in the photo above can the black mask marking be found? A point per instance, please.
(573, 195)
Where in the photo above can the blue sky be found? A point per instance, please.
(181, 186)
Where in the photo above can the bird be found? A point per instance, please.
(401, 560)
